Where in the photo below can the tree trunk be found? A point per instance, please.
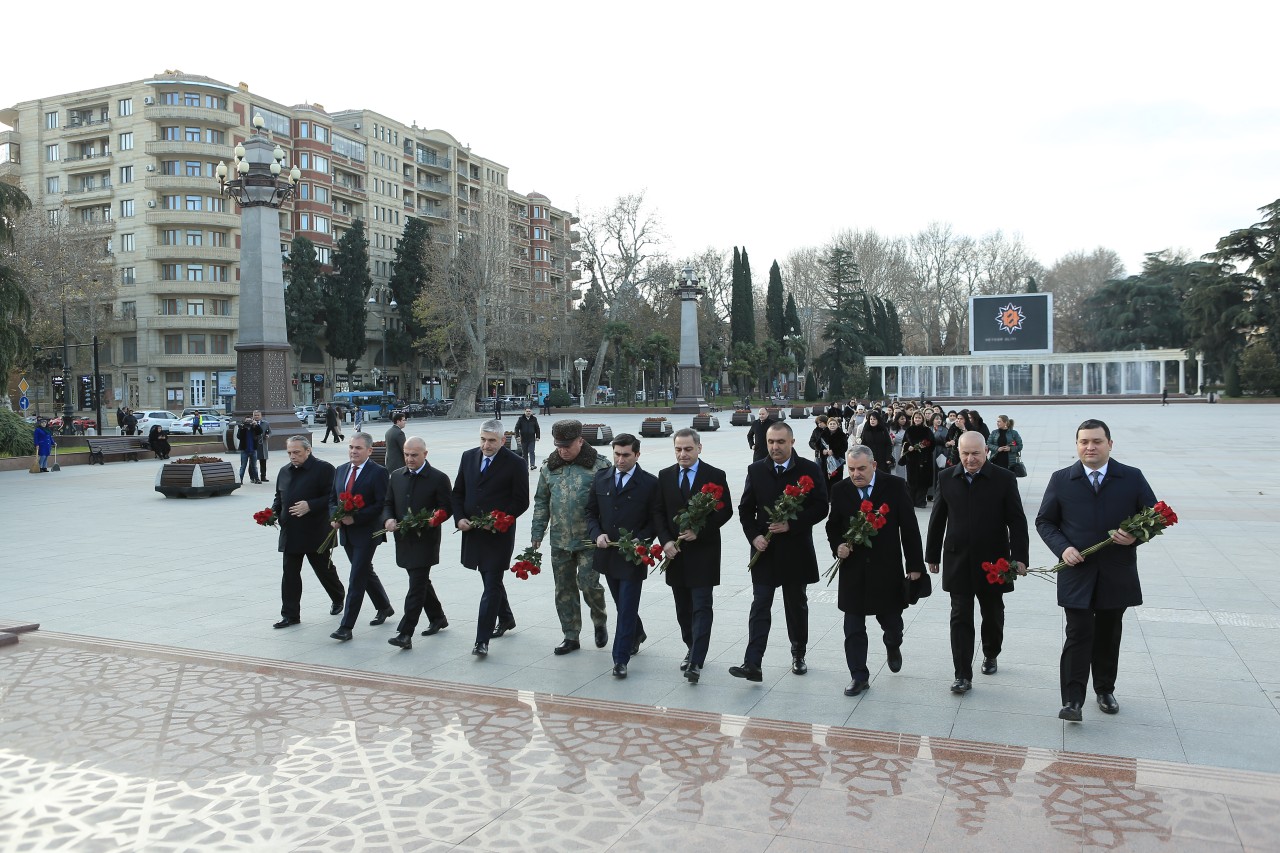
(464, 396)
(597, 367)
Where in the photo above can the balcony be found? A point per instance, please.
(174, 146)
(442, 164)
(195, 288)
(439, 188)
(163, 183)
(209, 361)
(198, 323)
(10, 169)
(217, 254)
(348, 187)
(193, 217)
(178, 112)
(10, 137)
(434, 213)
(77, 126)
(87, 155)
(89, 191)
(122, 323)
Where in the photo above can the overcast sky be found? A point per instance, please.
(1133, 126)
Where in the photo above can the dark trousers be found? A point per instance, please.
(331, 429)
(1092, 644)
(291, 582)
(526, 448)
(962, 635)
(493, 604)
(626, 600)
(262, 468)
(795, 606)
(855, 640)
(363, 579)
(421, 598)
(694, 613)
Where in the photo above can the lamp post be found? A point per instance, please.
(260, 186)
(581, 364)
(382, 406)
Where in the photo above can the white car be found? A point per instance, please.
(146, 420)
(209, 425)
(306, 414)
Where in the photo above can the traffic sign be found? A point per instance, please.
(24, 403)
(23, 386)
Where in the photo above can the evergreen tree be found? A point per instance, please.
(791, 323)
(347, 288)
(15, 307)
(304, 297)
(742, 312)
(810, 387)
(774, 309)
(1032, 287)
(847, 323)
(748, 298)
(409, 277)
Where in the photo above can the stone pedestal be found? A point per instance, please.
(689, 398)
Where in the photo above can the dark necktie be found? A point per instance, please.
(686, 486)
(1097, 480)
(621, 476)
(780, 469)
(484, 464)
(866, 493)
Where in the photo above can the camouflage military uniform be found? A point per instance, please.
(560, 503)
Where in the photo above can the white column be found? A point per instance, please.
(1103, 370)
(1161, 389)
(1035, 379)
(1006, 380)
(1200, 370)
(1182, 376)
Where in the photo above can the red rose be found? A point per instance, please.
(640, 550)
(884, 509)
(865, 506)
(533, 570)
(719, 505)
(655, 549)
(714, 490)
(806, 484)
(359, 501)
(792, 491)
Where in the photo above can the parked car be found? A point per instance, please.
(148, 419)
(78, 425)
(306, 414)
(209, 425)
(216, 411)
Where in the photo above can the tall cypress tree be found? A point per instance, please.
(742, 314)
(347, 288)
(748, 299)
(304, 301)
(408, 279)
(791, 321)
(774, 309)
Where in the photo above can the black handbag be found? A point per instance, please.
(918, 589)
(1018, 469)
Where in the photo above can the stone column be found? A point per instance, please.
(689, 399)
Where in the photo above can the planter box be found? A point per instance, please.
(801, 412)
(597, 435)
(206, 480)
(742, 417)
(776, 413)
(706, 423)
(656, 429)
(379, 455)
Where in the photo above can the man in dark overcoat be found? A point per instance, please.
(1082, 505)
(394, 438)
(757, 434)
(788, 559)
(361, 476)
(872, 578)
(301, 506)
(490, 477)
(695, 557)
(413, 487)
(977, 518)
(623, 497)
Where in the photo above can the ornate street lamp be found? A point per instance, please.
(382, 406)
(581, 364)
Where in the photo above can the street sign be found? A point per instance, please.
(24, 403)
(23, 386)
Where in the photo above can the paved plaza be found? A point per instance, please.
(156, 674)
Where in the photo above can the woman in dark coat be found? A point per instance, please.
(818, 441)
(940, 431)
(974, 422)
(838, 443)
(875, 435)
(958, 428)
(158, 441)
(917, 452)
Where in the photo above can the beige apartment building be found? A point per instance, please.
(134, 165)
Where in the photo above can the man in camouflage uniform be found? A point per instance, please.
(564, 484)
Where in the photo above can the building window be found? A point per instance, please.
(195, 272)
(53, 185)
(124, 106)
(51, 120)
(304, 221)
(126, 208)
(195, 344)
(173, 344)
(191, 99)
(274, 122)
(171, 134)
(51, 153)
(218, 238)
(193, 134)
(173, 202)
(126, 174)
(322, 194)
(192, 168)
(171, 99)
(170, 272)
(128, 275)
(220, 307)
(219, 344)
(323, 255)
(170, 237)
(215, 137)
(169, 167)
(304, 191)
(215, 102)
(54, 217)
(322, 224)
(319, 163)
(217, 272)
(126, 142)
(195, 307)
(217, 204)
(304, 130)
(321, 134)
(168, 307)
(194, 202)
(195, 238)
(129, 350)
(129, 310)
(126, 243)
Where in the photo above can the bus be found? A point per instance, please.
(373, 403)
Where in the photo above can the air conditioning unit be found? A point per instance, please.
(151, 204)
(148, 100)
(356, 125)
(151, 168)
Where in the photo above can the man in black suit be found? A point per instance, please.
(490, 477)
(1081, 505)
(623, 497)
(695, 567)
(364, 477)
(395, 438)
(413, 487)
(871, 577)
(977, 518)
(757, 434)
(788, 560)
(301, 506)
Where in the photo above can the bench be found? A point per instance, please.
(126, 446)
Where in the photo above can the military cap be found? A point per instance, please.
(565, 433)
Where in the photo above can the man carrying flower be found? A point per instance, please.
(301, 506)
(365, 482)
(785, 555)
(1083, 504)
(872, 575)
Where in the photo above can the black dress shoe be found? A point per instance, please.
(566, 647)
(693, 672)
(382, 616)
(684, 664)
(480, 649)
(619, 670)
(602, 636)
(1071, 712)
(856, 687)
(343, 634)
(989, 666)
(404, 641)
(747, 671)
(336, 608)
(895, 659)
(961, 685)
(285, 623)
(436, 626)
(798, 666)
(635, 644)
(503, 627)
(1107, 702)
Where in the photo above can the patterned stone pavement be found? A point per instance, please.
(122, 746)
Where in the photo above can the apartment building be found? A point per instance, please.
(134, 165)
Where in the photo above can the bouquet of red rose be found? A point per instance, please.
(785, 508)
(695, 515)
(1142, 526)
(529, 562)
(266, 517)
(494, 521)
(347, 504)
(636, 552)
(863, 525)
(999, 572)
(925, 444)
(416, 522)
